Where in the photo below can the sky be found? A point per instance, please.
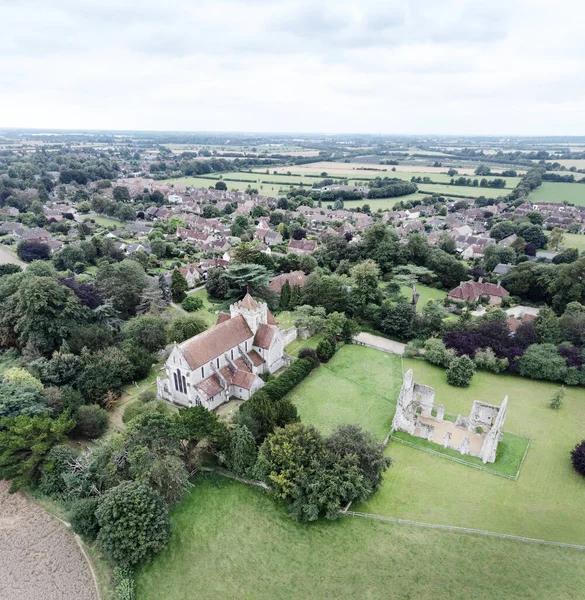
(478, 67)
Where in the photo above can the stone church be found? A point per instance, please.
(226, 360)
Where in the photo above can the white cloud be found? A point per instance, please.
(380, 66)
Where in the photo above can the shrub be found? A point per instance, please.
(125, 586)
(487, 360)
(412, 349)
(325, 350)
(147, 396)
(460, 371)
(82, 517)
(192, 303)
(578, 458)
(557, 399)
(92, 421)
(308, 353)
(542, 361)
(437, 354)
(56, 464)
(134, 523)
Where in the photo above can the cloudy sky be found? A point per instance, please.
(371, 66)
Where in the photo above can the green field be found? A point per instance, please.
(231, 541)
(294, 347)
(460, 190)
(575, 240)
(343, 391)
(559, 192)
(103, 221)
(426, 294)
(545, 502)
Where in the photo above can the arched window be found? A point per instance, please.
(176, 384)
(184, 384)
(180, 379)
(202, 371)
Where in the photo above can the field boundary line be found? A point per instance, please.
(87, 557)
(458, 529)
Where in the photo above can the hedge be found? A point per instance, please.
(280, 386)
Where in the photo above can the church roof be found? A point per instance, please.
(248, 303)
(264, 336)
(216, 341)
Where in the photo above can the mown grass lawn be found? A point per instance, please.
(575, 240)
(343, 391)
(295, 347)
(426, 294)
(547, 499)
(231, 541)
(209, 317)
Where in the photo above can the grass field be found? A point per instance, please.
(575, 240)
(559, 192)
(426, 294)
(294, 347)
(103, 221)
(545, 502)
(459, 190)
(209, 317)
(231, 541)
(343, 391)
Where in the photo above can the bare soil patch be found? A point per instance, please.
(39, 558)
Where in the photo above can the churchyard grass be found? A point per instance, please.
(426, 294)
(233, 541)
(295, 347)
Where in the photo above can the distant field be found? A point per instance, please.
(469, 192)
(104, 221)
(559, 192)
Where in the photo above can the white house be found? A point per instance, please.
(175, 199)
(226, 360)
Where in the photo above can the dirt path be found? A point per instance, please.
(39, 558)
(6, 257)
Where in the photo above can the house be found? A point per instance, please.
(175, 199)
(470, 291)
(508, 241)
(192, 274)
(501, 269)
(297, 278)
(226, 360)
(301, 246)
(271, 238)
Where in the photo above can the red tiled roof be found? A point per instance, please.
(243, 379)
(468, 291)
(256, 359)
(216, 341)
(293, 278)
(248, 303)
(222, 317)
(514, 323)
(264, 335)
(271, 320)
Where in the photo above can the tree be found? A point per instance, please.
(221, 185)
(192, 303)
(447, 244)
(183, 328)
(247, 277)
(9, 269)
(133, 524)
(67, 258)
(24, 443)
(543, 361)
(179, 286)
(483, 170)
(310, 319)
(55, 466)
(437, 354)
(197, 423)
(241, 451)
(286, 455)
(82, 517)
(349, 330)
(41, 312)
(352, 440)
(502, 230)
(460, 371)
(557, 399)
(147, 331)
(325, 350)
(123, 283)
(121, 194)
(29, 251)
(105, 371)
(578, 458)
(18, 400)
(556, 238)
(159, 248)
(285, 296)
(398, 319)
(365, 284)
(91, 421)
(548, 326)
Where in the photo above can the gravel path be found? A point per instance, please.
(39, 558)
(380, 343)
